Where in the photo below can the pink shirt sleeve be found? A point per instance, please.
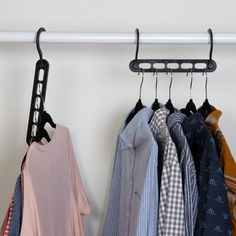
(77, 186)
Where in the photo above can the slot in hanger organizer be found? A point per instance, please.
(164, 65)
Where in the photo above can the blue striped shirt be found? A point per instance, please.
(134, 148)
(148, 213)
(188, 171)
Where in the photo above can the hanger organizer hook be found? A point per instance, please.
(209, 64)
(137, 43)
(38, 44)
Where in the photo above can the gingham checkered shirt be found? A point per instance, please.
(171, 203)
(187, 166)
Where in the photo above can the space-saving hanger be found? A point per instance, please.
(164, 65)
(169, 104)
(38, 117)
(156, 105)
(190, 107)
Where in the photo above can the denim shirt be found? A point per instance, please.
(135, 145)
(213, 213)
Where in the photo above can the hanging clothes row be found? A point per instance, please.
(173, 171)
(49, 197)
(169, 176)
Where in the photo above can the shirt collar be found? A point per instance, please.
(158, 122)
(212, 119)
(194, 120)
(142, 117)
(160, 115)
(175, 118)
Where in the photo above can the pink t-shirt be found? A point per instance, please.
(55, 202)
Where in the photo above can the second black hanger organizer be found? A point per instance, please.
(164, 65)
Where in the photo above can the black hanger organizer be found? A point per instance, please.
(136, 64)
(38, 93)
(38, 116)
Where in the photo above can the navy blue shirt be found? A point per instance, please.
(213, 214)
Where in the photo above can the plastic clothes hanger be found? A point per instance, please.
(139, 105)
(190, 107)
(169, 104)
(156, 105)
(43, 116)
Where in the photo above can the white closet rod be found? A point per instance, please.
(119, 38)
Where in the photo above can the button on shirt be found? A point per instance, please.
(188, 171)
(171, 202)
(213, 213)
(135, 146)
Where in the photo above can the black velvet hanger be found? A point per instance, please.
(156, 105)
(139, 105)
(41, 132)
(190, 106)
(169, 105)
(206, 107)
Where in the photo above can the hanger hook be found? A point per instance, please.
(137, 43)
(38, 43)
(211, 48)
(171, 80)
(206, 85)
(191, 84)
(141, 85)
(156, 84)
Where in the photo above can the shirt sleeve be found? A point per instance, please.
(77, 185)
(112, 215)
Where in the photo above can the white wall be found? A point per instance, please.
(90, 87)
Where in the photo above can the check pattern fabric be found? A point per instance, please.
(135, 146)
(171, 202)
(188, 171)
(213, 213)
(226, 161)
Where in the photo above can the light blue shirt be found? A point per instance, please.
(135, 146)
(148, 213)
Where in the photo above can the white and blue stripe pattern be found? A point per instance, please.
(148, 213)
(112, 216)
(133, 152)
(188, 171)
